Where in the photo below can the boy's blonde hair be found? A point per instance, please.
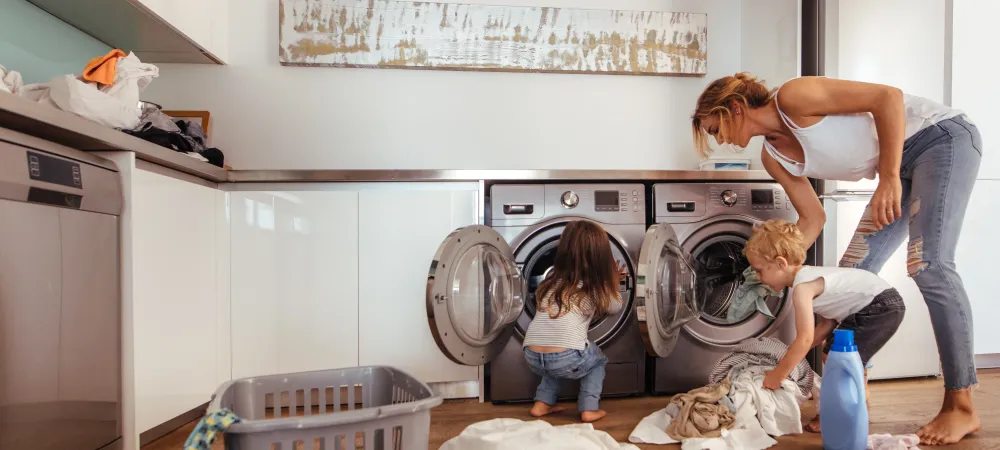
(776, 238)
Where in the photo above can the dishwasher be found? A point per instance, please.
(60, 297)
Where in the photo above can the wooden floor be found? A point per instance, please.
(898, 407)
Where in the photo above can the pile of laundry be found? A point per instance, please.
(734, 410)
(107, 92)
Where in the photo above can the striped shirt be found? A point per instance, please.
(569, 330)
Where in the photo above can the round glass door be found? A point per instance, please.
(475, 294)
(667, 289)
(734, 308)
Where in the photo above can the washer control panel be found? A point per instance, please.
(610, 203)
(763, 200)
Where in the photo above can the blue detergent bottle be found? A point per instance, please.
(842, 409)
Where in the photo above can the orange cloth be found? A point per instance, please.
(102, 68)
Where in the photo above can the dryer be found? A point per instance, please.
(481, 285)
(712, 222)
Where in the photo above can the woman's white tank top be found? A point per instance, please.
(845, 147)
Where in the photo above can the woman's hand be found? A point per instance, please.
(886, 204)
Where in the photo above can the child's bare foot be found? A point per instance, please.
(540, 409)
(593, 416)
(813, 425)
(957, 419)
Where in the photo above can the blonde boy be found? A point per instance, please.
(842, 297)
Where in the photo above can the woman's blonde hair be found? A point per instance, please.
(742, 88)
(776, 238)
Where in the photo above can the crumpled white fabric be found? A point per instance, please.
(750, 439)
(10, 81)
(652, 430)
(116, 105)
(777, 412)
(514, 434)
(890, 442)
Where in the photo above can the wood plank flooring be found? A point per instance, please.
(898, 407)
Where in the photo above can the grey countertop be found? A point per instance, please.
(64, 128)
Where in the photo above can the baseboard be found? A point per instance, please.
(456, 389)
(167, 427)
(988, 361)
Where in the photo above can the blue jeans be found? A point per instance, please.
(584, 365)
(938, 170)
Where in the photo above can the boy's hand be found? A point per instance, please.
(772, 380)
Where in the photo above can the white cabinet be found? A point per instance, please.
(971, 73)
(206, 22)
(976, 261)
(294, 282)
(400, 229)
(175, 296)
(912, 351)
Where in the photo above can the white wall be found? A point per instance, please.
(974, 73)
(273, 117)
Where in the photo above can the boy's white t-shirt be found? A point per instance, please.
(845, 292)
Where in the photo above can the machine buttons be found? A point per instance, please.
(729, 198)
(624, 208)
(569, 199)
(635, 208)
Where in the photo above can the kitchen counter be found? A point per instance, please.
(68, 129)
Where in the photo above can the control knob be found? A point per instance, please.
(569, 199)
(729, 197)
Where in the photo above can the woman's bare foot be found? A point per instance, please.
(593, 416)
(540, 409)
(813, 425)
(957, 419)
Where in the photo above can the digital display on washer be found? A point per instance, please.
(606, 200)
(761, 197)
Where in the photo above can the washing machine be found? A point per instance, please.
(482, 282)
(711, 222)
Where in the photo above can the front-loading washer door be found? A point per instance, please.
(667, 289)
(475, 294)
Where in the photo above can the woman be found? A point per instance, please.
(926, 156)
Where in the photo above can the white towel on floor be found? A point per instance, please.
(652, 430)
(513, 434)
(776, 412)
(890, 442)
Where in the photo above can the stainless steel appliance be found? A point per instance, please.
(711, 223)
(480, 295)
(60, 302)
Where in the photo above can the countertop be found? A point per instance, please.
(68, 129)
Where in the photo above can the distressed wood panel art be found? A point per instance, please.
(451, 36)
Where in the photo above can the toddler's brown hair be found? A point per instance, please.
(776, 238)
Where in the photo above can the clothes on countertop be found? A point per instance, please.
(513, 434)
(209, 428)
(765, 352)
(699, 413)
(749, 297)
(890, 442)
(846, 290)
(11, 81)
(102, 68)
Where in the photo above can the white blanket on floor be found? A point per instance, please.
(513, 434)
(759, 412)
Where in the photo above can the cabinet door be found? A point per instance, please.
(294, 281)
(912, 351)
(400, 230)
(206, 22)
(30, 296)
(976, 260)
(175, 296)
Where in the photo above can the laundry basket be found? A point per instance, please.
(369, 408)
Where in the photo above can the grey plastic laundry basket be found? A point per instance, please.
(369, 408)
